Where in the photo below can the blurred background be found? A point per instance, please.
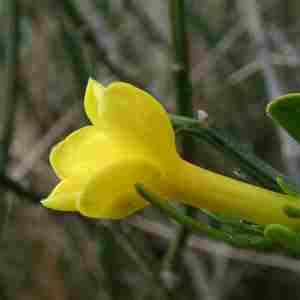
(242, 54)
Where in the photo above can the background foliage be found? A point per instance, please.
(241, 54)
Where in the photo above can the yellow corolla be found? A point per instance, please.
(131, 141)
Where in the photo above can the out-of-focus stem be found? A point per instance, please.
(147, 24)
(9, 101)
(102, 54)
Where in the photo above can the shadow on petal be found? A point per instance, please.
(111, 194)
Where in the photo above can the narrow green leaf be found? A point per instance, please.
(288, 188)
(242, 240)
(284, 237)
(234, 224)
(179, 217)
(285, 110)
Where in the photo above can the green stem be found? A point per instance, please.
(181, 68)
(181, 72)
(180, 217)
(242, 240)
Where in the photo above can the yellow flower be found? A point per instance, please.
(132, 141)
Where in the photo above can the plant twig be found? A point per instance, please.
(81, 74)
(181, 218)
(133, 252)
(91, 36)
(46, 141)
(181, 68)
(9, 101)
(9, 184)
(237, 240)
(251, 68)
(181, 72)
(221, 48)
(251, 14)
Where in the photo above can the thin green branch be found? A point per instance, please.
(183, 88)
(181, 218)
(181, 68)
(244, 240)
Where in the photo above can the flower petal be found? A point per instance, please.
(92, 93)
(111, 193)
(135, 115)
(65, 195)
(82, 153)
